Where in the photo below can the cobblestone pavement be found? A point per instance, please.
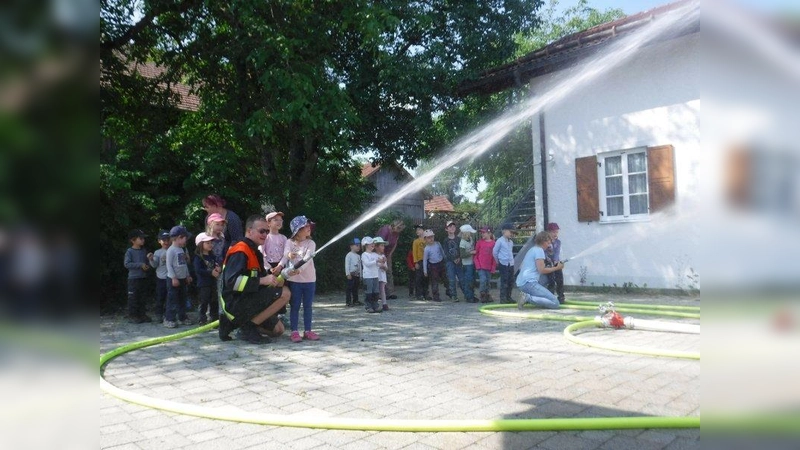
(420, 360)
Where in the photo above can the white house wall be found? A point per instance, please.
(653, 99)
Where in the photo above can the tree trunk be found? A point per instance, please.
(289, 171)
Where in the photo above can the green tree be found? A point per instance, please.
(290, 92)
(302, 82)
(476, 110)
(556, 24)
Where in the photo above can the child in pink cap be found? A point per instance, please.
(207, 271)
(484, 262)
(215, 227)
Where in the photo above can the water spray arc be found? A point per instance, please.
(481, 140)
(472, 146)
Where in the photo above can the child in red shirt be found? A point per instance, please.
(484, 262)
(411, 275)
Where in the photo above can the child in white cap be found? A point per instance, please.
(352, 270)
(369, 263)
(467, 248)
(380, 249)
(433, 263)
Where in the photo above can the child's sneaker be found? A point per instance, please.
(385, 307)
(170, 324)
(295, 337)
(311, 336)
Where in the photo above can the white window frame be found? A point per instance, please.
(601, 181)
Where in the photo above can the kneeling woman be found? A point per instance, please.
(533, 268)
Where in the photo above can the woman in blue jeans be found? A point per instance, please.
(532, 269)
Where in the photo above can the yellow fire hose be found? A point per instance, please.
(333, 423)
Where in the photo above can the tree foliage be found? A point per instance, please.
(302, 82)
(290, 91)
(496, 167)
(556, 24)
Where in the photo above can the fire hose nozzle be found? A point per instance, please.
(606, 308)
(286, 273)
(564, 261)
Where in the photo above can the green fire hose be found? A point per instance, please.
(589, 322)
(333, 423)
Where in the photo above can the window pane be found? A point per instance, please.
(614, 206)
(636, 163)
(639, 204)
(614, 165)
(614, 186)
(637, 184)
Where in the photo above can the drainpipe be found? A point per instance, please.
(541, 195)
(542, 156)
(543, 167)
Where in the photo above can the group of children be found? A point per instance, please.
(457, 257)
(371, 266)
(173, 275)
(460, 258)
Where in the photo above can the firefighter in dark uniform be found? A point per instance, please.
(251, 296)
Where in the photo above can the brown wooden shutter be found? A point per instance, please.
(737, 181)
(661, 176)
(586, 181)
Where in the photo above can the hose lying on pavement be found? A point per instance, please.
(690, 312)
(334, 423)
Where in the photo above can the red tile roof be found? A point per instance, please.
(367, 169)
(187, 100)
(439, 203)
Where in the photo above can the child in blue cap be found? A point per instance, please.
(352, 269)
(303, 282)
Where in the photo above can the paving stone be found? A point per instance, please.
(628, 442)
(165, 442)
(420, 361)
(119, 438)
(682, 443)
(522, 440)
(570, 441)
(124, 447)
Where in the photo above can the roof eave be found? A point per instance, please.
(568, 51)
